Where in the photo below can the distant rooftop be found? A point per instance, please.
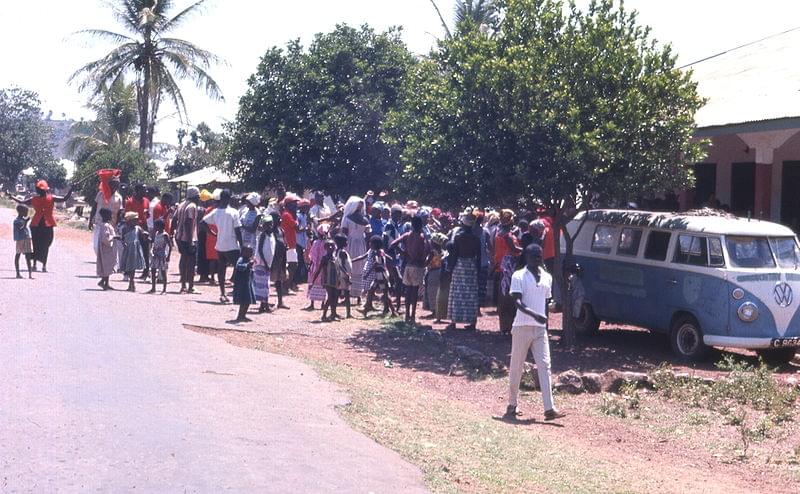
(755, 82)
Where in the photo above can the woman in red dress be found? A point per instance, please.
(43, 222)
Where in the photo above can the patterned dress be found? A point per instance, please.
(463, 303)
(356, 246)
(132, 258)
(158, 260)
(316, 292)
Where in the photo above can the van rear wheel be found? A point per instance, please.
(777, 356)
(686, 339)
(587, 323)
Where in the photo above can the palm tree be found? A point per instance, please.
(115, 120)
(155, 60)
(477, 12)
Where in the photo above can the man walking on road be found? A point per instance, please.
(531, 287)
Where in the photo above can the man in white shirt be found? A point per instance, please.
(531, 287)
(229, 237)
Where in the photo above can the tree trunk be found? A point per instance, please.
(567, 325)
(143, 94)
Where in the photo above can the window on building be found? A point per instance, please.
(603, 239)
(691, 250)
(657, 245)
(629, 241)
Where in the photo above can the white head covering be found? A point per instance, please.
(351, 206)
(216, 194)
(254, 198)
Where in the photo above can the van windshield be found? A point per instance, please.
(750, 252)
(786, 251)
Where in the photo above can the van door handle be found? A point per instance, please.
(672, 281)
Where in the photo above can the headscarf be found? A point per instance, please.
(107, 175)
(42, 184)
(506, 216)
(254, 198)
(205, 195)
(351, 206)
(216, 194)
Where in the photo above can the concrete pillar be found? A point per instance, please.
(763, 190)
(777, 192)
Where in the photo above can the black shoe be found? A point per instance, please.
(554, 414)
(511, 412)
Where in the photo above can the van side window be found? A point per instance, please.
(657, 245)
(715, 256)
(629, 241)
(691, 250)
(603, 239)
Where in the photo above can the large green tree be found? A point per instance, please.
(315, 118)
(552, 106)
(203, 148)
(155, 60)
(25, 138)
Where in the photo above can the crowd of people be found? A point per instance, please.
(366, 253)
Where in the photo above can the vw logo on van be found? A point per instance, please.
(783, 294)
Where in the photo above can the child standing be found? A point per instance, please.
(243, 292)
(344, 270)
(161, 252)
(22, 236)
(376, 276)
(132, 258)
(265, 253)
(106, 251)
(316, 289)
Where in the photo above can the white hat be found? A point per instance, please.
(192, 192)
(216, 194)
(253, 198)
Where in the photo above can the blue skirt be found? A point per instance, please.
(463, 303)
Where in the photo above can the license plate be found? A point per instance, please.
(785, 342)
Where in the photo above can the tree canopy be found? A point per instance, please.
(550, 106)
(135, 166)
(25, 138)
(155, 59)
(315, 118)
(202, 149)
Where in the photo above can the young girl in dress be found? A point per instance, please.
(106, 251)
(132, 258)
(160, 254)
(316, 289)
(243, 292)
(376, 276)
(264, 256)
(327, 275)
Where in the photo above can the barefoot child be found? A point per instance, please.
(344, 270)
(132, 258)
(326, 269)
(265, 253)
(243, 292)
(161, 252)
(316, 289)
(376, 276)
(106, 251)
(22, 236)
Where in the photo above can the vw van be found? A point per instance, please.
(706, 281)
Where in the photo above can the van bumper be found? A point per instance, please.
(751, 343)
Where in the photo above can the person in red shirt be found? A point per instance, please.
(549, 242)
(163, 211)
(140, 204)
(43, 222)
(290, 228)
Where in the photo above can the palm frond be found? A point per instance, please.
(190, 51)
(181, 16)
(106, 35)
(186, 68)
(168, 86)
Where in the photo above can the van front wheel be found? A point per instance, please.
(776, 357)
(686, 339)
(587, 323)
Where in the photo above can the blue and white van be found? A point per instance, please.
(704, 280)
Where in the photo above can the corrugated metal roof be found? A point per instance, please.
(755, 82)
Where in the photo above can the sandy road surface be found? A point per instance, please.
(107, 391)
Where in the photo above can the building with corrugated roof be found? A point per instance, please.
(752, 120)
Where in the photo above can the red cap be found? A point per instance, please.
(41, 184)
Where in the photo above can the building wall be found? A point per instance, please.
(728, 149)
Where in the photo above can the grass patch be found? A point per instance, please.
(460, 451)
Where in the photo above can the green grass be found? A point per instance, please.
(461, 451)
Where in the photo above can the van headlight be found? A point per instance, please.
(748, 312)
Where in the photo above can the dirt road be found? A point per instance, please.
(107, 391)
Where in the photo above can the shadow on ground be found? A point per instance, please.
(424, 348)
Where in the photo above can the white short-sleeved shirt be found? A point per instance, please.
(226, 221)
(534, 295)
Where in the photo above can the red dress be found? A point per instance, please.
(44, 206)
